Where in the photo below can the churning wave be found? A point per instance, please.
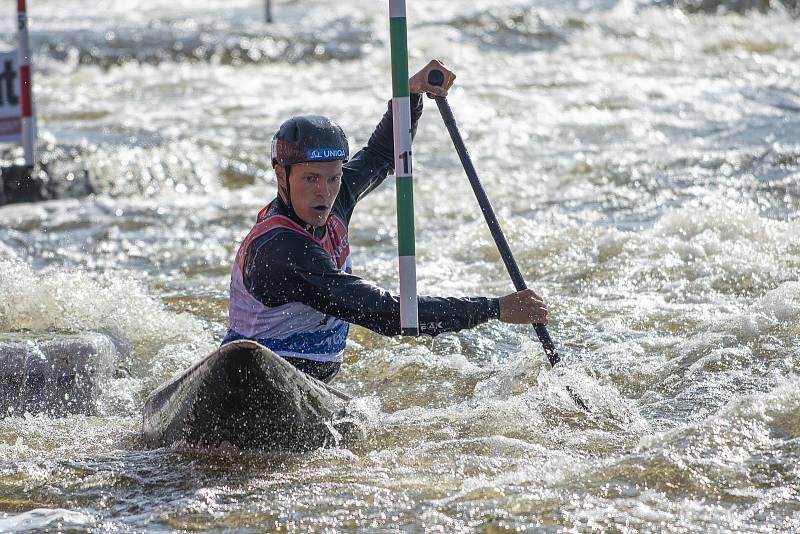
(732, 6)
(75, 171)
(187, 40)
(518, 28)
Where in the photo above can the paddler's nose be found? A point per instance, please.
(325, 189)
(321, 188)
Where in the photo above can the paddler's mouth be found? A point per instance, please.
(321, 209)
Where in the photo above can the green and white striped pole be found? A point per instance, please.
(401, 112)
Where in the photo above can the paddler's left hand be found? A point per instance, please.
(418, 83)
(523, 307)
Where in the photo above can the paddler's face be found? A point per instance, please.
(313, 187)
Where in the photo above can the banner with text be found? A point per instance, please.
(10, 101)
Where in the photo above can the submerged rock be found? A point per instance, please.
(57, 375)
(61, 172)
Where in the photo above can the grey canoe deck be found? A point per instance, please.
(246, 396)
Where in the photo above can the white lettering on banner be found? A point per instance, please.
(10, 108)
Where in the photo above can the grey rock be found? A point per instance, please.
(56, 375)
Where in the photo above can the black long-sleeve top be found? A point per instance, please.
(284, 266)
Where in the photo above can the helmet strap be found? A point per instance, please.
(286, 170)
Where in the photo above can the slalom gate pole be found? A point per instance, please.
(436, 77)
(401, 112)
(28, 127)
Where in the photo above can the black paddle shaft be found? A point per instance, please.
(436, 77)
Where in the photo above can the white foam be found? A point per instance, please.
(40, 519)
(6, 252)
(783, 302)
(777, 410)
(746, 424)
(58, 300)
(776, 309)
(26, 214)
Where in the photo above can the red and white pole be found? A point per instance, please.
(28, 128)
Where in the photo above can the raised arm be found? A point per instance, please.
(368, 168)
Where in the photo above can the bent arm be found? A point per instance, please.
(292, 268)
(369, 167)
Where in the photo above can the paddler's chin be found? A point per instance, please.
(313, 215)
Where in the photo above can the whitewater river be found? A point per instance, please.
(643, 160)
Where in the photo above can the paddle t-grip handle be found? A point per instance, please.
(436, 77)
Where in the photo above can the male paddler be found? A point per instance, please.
(292, 287)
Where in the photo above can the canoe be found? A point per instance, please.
(246, 396)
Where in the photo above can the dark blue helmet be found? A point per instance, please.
(309, 138)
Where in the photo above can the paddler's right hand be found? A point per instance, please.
(523, 307)
(419, 83)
